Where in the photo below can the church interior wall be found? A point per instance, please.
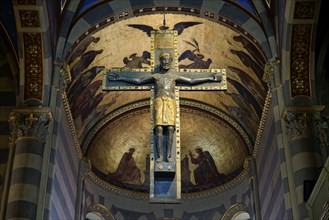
(128, 207)
(65, 177)
(277, 153)
(268, 172)
(315, 206)
(6, 107)
(8, 94)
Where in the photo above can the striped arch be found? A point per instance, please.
(30, 157)
(98, 211)
(297, 75)
(236, 211)
(321, 69)
(217, 11)
(9, 96)
(34, 52)
(295, 46)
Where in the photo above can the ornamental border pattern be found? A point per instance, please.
(33, 54)
(71, 124)
(101, 210)
(262, 123)
(26, 2)
(233, 210)
(146, 103)
(29, 18)
(145, 196)
(109, 117)
(304, 9)
(222, 115)
(300, 60)
(175, 10)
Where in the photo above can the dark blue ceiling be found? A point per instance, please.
(247, 4)
(7, 18)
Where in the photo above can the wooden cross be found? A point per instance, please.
(165, 79)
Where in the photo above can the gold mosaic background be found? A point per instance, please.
(108, 146)
(119, 40)
(228, 49)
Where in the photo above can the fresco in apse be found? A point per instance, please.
(201, 44)
(209, 157)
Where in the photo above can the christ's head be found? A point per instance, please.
(165, 60)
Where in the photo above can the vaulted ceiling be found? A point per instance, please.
(95, 36)
(216, 35)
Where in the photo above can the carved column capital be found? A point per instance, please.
(272, 74)
(250, 165)
(29, 122)
(246, 163)
(301, 121)
(85, 167)
(64, 74)
(321, 128)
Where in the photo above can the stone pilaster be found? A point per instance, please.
(84, 170)
(250, 165)
(272, 74)
(320, 125)
(302, 126)
(28, 128)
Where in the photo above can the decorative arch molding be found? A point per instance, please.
(9, 93)
(34, 51)
(144, 104)
(298, 52)
(9, 55)
(248, 26)
(98, 210)
(236, 211)
(142, 107)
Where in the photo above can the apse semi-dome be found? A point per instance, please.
(203, 127)
(223, 124)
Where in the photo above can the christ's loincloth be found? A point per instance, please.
(165, 111)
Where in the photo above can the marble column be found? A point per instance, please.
(272, 75)
(250, 164)
(84, 169)
(28, 128)
(303, 129)
(320, 126)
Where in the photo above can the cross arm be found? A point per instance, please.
(127, 79)
(211, 78)
(201, 79)
(138, 81)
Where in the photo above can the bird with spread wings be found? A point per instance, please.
(179, 27)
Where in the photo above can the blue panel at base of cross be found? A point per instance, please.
(164, 183)
(165, 179)
(164, 167)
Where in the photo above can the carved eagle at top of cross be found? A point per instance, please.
(179, 27)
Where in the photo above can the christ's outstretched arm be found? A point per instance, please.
(192, 81)
(143, 80)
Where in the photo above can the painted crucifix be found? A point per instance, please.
(165, 80)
